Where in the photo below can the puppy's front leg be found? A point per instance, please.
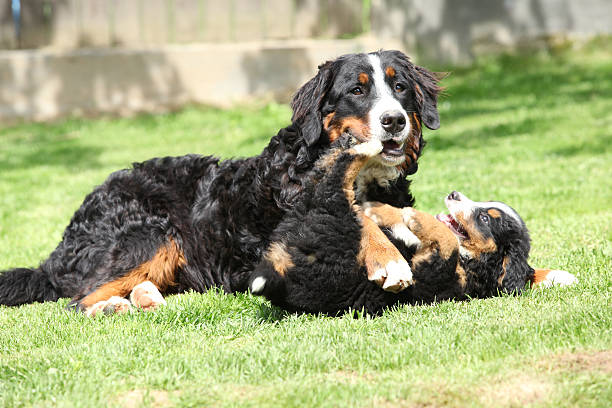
(385, 264)
(414, 228)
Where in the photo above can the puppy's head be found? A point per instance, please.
(493, 239)
(379, 95)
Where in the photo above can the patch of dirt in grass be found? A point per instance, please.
(138, 398)
(582, 361)
(515, 391)
(349, 377)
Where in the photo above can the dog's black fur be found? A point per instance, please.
(213, 219)
(320, 242)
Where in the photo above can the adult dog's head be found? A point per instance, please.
(377, 95)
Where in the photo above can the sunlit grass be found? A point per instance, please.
(535, 132)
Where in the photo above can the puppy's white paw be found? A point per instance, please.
(394, 277)
(370, 148)
(258, 285)
(558, 278)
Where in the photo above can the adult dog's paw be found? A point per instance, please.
(146, 296)
(115, 304)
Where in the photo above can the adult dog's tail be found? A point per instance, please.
(23, 285)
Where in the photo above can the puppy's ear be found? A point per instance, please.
(427, 91)
(516, 270)
(308, 101)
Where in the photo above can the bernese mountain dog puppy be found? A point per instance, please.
(315, 260)
(196, 222)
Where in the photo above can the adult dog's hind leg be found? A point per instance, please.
(159, 271)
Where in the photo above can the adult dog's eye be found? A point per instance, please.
(357, 91)
(484, 218)
(399, 87)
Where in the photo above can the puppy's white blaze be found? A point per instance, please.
(258, 285)
(502, 207)
(559, 278)
(384, 102)
(467, 206)
(369, 148)
(399, 276)
(403, 233)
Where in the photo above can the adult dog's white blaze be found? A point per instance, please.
(385, 101)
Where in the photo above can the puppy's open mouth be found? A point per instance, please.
(453, 225)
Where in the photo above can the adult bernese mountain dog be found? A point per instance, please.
(314, 262)
(195, 222)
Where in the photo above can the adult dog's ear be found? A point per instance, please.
(516, 270)
(427, 91)
(307, 103)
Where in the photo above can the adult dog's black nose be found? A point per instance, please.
(393, 121)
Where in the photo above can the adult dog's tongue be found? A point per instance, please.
(452, 224)
(392, 148)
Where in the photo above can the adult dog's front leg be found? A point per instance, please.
(385, 264)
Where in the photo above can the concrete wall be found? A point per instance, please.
(44, 84)
(136, 23)
(151, 74)
(457, 30)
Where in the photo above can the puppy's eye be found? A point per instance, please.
(399, 87)
(357, 91)
(484, 218)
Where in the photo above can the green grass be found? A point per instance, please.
(535, 132)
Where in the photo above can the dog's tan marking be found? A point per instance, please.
(358, 128)
(160, 270)
(552, 277)
(280, 259)
(432, 233)
(505, 261)
(384, 215)
(364, 78)
(326, 123)
(475, 244)
(361, 154)
(376, 251)
(390, 72)
(539, 275)
(461, 275)
(416, 122)
(412, 145)
(494, 213)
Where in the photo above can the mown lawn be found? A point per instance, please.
(535, 132)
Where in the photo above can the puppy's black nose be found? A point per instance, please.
(454, 196)
(393, 121)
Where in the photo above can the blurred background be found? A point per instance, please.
(65, 57)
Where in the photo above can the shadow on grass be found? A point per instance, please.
(270, 314)
(531, 84)
(58, 145)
